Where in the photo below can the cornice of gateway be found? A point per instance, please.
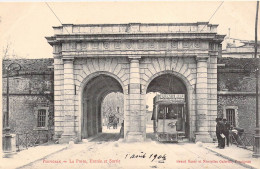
(122, 37)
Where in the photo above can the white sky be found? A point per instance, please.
(25, 25)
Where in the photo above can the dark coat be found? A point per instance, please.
(226, 128)
(220, 127)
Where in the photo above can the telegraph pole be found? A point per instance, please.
(256, 152)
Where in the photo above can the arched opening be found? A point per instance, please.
(94, 94)
(112, 109)
(168, 83)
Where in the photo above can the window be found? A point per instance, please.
(230, 116)
(42, 118)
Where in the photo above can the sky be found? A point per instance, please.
(25, 25)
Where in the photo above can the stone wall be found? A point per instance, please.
(22, 116)
(246, 109)
(236, 88)
(29, 89)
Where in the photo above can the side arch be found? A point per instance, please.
(88, 83)
(190, 97)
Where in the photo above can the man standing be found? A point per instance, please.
(122, 130)
(115, 123)
(220, 133)
(222, 129)
(226, 130)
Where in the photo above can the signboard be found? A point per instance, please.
(172, 98)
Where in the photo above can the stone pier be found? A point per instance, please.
(202, 133)
(69, 111)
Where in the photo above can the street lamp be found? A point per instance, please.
(9, 139)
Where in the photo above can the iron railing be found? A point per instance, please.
(32, 139)
(243, 140)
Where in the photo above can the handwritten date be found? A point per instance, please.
(144, 155)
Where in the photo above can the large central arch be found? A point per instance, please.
(94, 89)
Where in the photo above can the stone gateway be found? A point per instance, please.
(91, 61)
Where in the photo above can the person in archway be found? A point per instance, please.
(108, 125)
(115, 123)
(122, 130)
(110, 121)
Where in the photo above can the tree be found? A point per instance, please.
(9, 53)
(113, 104)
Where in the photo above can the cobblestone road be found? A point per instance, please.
(106, 151)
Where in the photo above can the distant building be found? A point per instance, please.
(237, 48)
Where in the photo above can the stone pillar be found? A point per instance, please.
(58, 96)
(134, 132)
(202, 133)
(69, 111)
(212, 93)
